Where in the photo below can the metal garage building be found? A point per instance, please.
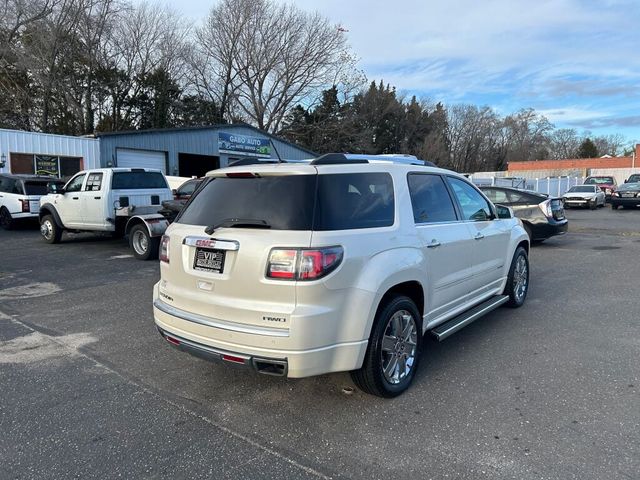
(193, 151)
(46, 154)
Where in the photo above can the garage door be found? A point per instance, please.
(142, 159)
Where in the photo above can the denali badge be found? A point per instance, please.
(274, 319)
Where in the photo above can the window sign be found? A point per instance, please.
(244, 144)
(47, 165)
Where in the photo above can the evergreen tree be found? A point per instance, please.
(587, 149)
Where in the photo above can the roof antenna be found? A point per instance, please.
(276, 150)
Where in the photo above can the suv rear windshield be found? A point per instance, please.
(35, 188)
(296, 202)
(137, 180)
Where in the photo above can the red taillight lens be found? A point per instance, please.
(25, 206)
(163, 254)
(282, 264)
(303, 263)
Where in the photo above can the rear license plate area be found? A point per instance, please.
(209, 260)
(628, 195)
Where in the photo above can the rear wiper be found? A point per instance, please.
(237, 222)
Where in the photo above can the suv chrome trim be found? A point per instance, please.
(221, 324)
(208, 242)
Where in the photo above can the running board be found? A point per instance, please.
(452, 326)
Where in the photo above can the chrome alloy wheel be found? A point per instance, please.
(520, 278)
(399, 345)
(140, 242)
(46, 229)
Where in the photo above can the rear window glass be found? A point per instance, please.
(137, 180)
(599, 180)
(35, 188)
(344, 201)
(283, 202)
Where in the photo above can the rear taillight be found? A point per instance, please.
(163, 254)
(303, 263)
(25, 206)
(546, 208)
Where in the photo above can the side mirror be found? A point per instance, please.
(626, 180)
(504, 212)
(174, 191)
(53, 187)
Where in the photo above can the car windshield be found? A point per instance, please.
(634, 179)
(581, 189)
(629, 186)
(599, 181)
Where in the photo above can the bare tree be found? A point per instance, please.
(610, 144)
(564, 143)
(259, 58)
(527, 135)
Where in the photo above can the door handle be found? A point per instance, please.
(434, 243)
(478, 236)
(75, 198)
(96, 198)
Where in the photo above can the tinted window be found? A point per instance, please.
(75, 184)
(354, 200)
(94, 182)
(473, 204)
(496, 196)
(430, 199)
(522, 197)
(284, 202)
(344, 201)
(35, 188)
(137, 180)
(188, 188)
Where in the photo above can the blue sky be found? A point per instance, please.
(575, 61)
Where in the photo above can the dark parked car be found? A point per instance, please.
(543, 217)
(184, 191)
(627, 195)
(635, 178)
(181, 195)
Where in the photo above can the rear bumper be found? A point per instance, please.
(625, 202)
(543, 230)
(213, 343)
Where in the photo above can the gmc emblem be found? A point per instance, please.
(205, 243)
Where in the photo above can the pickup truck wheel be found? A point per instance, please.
(144, 246)
(394, 348)
(518, 279)
(6, 221)
(50, 230)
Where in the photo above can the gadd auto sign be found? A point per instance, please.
(243, 144)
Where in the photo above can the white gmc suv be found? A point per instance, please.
(340, 264)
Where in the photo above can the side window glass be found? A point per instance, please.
(17, 188)
(94, 182)
(430, 199)
(75, 184)
(496, 196)
(474, 206)
(187, 189)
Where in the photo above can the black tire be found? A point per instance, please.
(6, 220)
(593, 205)
(143, 246)
(512, 289)
(371, 378)
(51, 232)
(614, 206)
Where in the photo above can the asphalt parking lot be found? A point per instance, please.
(88, 389)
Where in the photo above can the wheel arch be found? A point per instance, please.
(48, 209)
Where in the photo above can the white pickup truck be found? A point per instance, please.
(123, 201)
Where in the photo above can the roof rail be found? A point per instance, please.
(351, 158)
(336, 159)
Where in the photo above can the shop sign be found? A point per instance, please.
(244, 144)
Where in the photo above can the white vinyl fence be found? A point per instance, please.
(552, 186)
